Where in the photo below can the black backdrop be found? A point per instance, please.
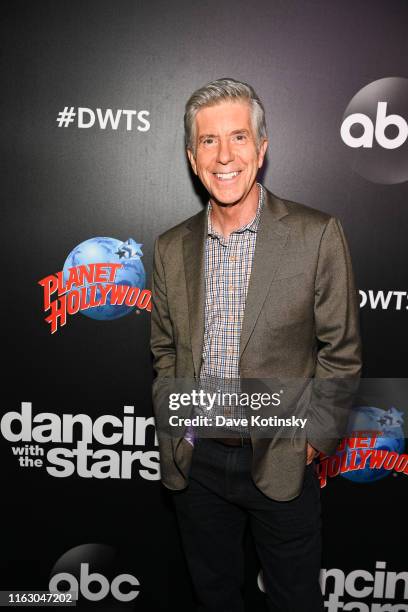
(66, 185)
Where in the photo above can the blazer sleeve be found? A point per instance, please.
(338, 365)
(161, 338)
(336, 309)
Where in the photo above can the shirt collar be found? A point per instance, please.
(252, 225)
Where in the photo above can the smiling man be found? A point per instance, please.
(253, 286)
(226, 158)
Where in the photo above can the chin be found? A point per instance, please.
(227, 194)
(228, 198)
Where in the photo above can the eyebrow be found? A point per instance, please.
(234, 132)
(207, 136)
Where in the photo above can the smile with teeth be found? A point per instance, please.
(226, 176)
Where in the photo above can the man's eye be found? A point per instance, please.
(208, 141)
(240, 137)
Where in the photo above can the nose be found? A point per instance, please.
(225, 153)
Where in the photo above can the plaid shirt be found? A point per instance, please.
(228, 265)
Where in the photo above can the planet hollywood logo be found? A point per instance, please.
(102, 278)
(375, 131)
(94, 573)
(75, 444)
(369, 458)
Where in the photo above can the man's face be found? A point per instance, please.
(226, 159)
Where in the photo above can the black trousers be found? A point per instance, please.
(213, 512)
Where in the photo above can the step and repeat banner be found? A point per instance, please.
(94, 171)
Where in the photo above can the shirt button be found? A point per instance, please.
(231, 288)
(232, 258)
(231, 319)
(230, 351)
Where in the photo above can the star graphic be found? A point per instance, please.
(130, 249)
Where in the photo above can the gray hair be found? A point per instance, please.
(218, 91)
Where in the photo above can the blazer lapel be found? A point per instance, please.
(270, 242)
(194, 259)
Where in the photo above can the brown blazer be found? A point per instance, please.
(301, 320)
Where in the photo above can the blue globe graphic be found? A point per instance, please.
(389, 423)
(107, 251)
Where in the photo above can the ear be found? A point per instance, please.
(262, 151)
(192, 160)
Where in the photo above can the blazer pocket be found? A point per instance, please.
(296, 265)
(289, 301)
(283, 275)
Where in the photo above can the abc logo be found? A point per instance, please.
(375, 131)
(103, 586)
(381, 123)
(93, 585)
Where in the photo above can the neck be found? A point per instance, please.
(226, 218)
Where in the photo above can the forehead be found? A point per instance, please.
(223, 117)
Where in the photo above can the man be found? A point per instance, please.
(252, 287)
